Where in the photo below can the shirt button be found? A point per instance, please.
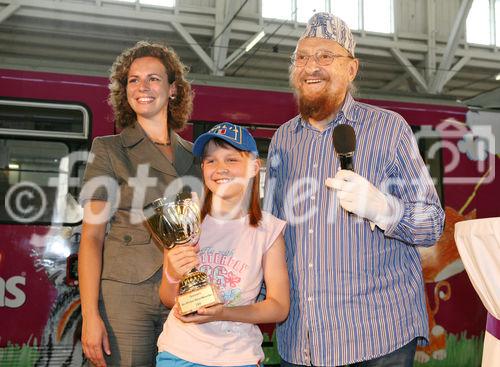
(315, 165)
(313, 197)
(309, 299)
(311, 231)
(310, 265)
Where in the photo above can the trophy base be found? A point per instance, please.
(191, 301)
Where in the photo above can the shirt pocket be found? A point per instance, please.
(129, 236)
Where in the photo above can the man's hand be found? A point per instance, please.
(357, 195)
(95, 340)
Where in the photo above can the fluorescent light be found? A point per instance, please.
(13, 166)
(256, 39)
(497, 77)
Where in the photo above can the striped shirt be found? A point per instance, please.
(356, 294)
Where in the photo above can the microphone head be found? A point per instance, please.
(344, 139)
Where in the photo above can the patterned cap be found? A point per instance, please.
(328, 26)
(237, 136)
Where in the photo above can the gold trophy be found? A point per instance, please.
(176, 223)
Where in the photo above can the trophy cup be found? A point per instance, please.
(176, 223)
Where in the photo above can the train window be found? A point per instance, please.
(34, 183)
(434, 163)
(41, 119)
(200, 127)
(263, 148)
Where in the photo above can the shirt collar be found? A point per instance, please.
(132, 135)
(349, 108)
(134, 138)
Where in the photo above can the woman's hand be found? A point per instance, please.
(203, 315)
(95, 340)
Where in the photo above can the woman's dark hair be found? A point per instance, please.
(254, 210)
(179, 109)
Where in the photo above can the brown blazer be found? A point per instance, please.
(130, 255)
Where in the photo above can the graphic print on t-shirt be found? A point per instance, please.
(224, 270)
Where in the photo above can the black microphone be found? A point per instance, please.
(344, 142)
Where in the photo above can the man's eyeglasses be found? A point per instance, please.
(323, 58)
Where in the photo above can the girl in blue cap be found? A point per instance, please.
(240, 247)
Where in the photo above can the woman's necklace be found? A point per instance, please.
(165, 148)
(167, 143)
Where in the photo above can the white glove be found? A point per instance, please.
(357, 195)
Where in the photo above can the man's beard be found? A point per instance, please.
(318, 107)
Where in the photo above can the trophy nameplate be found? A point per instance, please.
(193, 300)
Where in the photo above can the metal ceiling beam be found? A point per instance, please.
(288, 38)
(122, 11)
(95, 12)
(430, 69)
(403, 60)
(145, 18)
(222, 32)
(439, 80)
(456, 68)
(194, 45)
(263, 74)
(93, 19)
(45, 41)
(400, 79)
(66, 55)
(91, 39)
(8, 11)
(485, 64)
(58, 66)
(240, 51)
(222, 16)
(395, 83)
(370, 84)
(159, 21)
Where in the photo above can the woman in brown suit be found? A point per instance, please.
(119, 264)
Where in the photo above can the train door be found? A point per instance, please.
(43, 149)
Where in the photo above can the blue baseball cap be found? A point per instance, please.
(237, 136)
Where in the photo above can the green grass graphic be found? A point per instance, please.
(18, 356)
(461, 352)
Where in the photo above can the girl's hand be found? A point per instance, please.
(180, 260)
(203, 315)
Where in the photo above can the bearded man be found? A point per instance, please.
(357, 295)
